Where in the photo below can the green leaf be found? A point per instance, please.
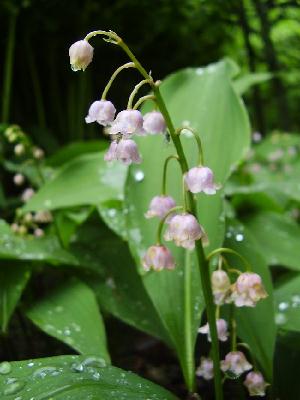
(277, 238)
(75, 149)
(71, 314)
(204, 99)
(113, 214)
(13, 279)
(244, 83)
(287, 298)
(76, 378)
(85, 180)
(119, 288)
(255, 326)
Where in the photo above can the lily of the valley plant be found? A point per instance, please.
(179, 222)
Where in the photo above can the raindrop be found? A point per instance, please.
(67, 332)
(94, 362)
(112, 212)
(199, 71)
(280, 319)
(239, 237)
(283, 306)
(42, 372)
(13, 386)
(59, 308)
(48, 203)
(139, 176)
(5, 368)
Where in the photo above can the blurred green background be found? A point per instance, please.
(50, 102)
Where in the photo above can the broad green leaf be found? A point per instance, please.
(85, 180)
(114, 215)
(244, 83)
(203, 99)
(36, 249)
(119, 289)
(13, 279)
(255, 326)
(287, 297)
(277, 238)
(71, 314)
(76, 378)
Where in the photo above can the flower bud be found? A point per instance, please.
(22, 230)
(154, 123)
(220, 287)
(255, 384)
(159, 207)
(38, 153)
(221, 329)
(27, 194)
(205, 369)
(28, 218)
(102, 111)
(81, 55)
(19, 149)
(125, 151)
(248, 290)
(158, 258)
(38, 232)
(200, 179)
(236, 363)
(19, 179)
(184, 230)
(127, 122)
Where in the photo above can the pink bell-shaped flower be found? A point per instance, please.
(220, 287)
(201, 179)
(101, 111)
(236, 363)
(248, 290)
(81, 55)
(125, 151)
(154, 123)
(127, 122)
(221, 329)
(160, 206)
(205, 369)
(19, 179)
(255, 384)
(184, 230)
(158, 258)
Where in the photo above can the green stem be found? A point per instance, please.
(202, 262)
(230, 251)
(162, 221)
(8, 68)
(113, 77)
(142, 100)
(233, 334)
(164, 181)
(188, 326)
(198, 140)
(134, 92)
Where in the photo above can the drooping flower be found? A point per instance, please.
(19, 179)
(205, 369)
(27, 194)
(160, 206)
(125, 151)
(220, 287)
(255, 384)
(201, 179)
(127, 122)
(101, 111)
(221, 329)
(38, 153)
(158, 258)
(81, 55)
(236, 363)
(184, 230)
(43, 217)
(248, 290)
(38, 232)
(154, 123)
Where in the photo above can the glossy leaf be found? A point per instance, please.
(13, 279)
(71, 314)
(85, 180)
(76, 378)
(277, 238)
(255, 326)
(204, 99)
